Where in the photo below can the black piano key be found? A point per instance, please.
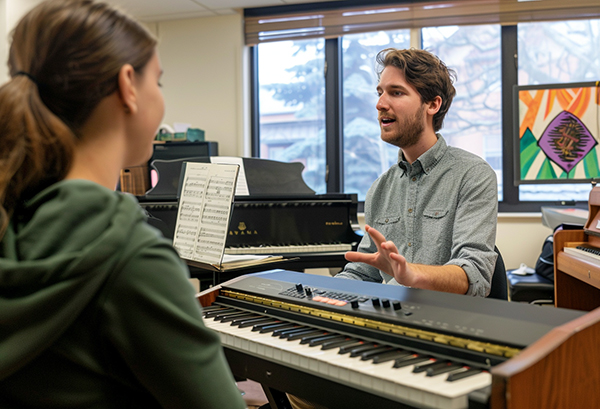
(361, 349)
(430, 365)
(211, 308)
(286, 333)
(258, 327)
(232, 317)
(374, 352)
(273, 327)
(339, 343)
(290, 327)
(213, 313)
(321, 340)
(443, 369)
(250, 322)
(302, 334)
(306, 339)
(403, 362)
(464, 374)
(390, 356)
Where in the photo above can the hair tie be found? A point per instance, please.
(28, 75)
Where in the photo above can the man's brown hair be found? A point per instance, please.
(424, 71)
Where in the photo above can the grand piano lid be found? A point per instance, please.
(264, 177)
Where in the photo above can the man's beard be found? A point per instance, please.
(409, 131)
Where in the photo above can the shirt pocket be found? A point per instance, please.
(386, 220)
(435, 213)
(435, 228)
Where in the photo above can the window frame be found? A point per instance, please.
(334, 121)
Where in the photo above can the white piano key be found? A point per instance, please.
(399, 384)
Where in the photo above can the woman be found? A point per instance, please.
(95, 306)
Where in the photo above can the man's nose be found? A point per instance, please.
(382, 104)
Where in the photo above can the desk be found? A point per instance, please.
(299, 262)
(576, 280)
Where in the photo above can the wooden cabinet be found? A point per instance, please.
(576, 279)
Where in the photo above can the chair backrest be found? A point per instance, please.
(499, 287)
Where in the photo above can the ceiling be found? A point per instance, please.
(155, 10)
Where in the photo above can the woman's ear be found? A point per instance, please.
(127, 91)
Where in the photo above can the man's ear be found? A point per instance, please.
(127, 90)
(434, 105)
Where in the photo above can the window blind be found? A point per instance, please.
(330, 23)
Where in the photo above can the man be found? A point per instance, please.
(438, 205)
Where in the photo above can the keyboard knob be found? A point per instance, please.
(299, 287)
(307, 291)
(354, 304)
(385, 303)
(396, 305)
(375, 301)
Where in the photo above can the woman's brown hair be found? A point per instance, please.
(64, 59)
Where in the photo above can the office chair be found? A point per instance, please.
(499, 288)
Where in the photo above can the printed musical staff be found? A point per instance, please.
(204, 210)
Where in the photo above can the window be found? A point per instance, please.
(490, 59)
(366, 156)
(292, 106)
(473, 122)
(554, 53)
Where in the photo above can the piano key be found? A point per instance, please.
(213, 313)
(283, 330)
(373, 352)
(361, 349)
(319, 248)
(429, 365)
(234, 317)
(302, 334)
(273, 321)
(449, 367)
(306, 339)
(464, 374)
(250, 321)
(321, 340)
(390, 356)
(402, 362)
(398, 383)
(340, 343)
(286, 334)
(273, 327)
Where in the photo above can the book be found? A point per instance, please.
(206, 195)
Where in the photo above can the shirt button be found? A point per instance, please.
(409, 244)
(409, 210)
(387, 220)
(414, 179)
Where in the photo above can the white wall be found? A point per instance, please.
(10, 13)
(202, 59)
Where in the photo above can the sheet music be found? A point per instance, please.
(241, 188)
(204, 210)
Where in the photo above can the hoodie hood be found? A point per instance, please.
(57, 252)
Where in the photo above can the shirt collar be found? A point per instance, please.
(427, 161)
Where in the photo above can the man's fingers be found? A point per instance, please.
(357, 257)
(377, 237)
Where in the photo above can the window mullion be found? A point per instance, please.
(333, 116)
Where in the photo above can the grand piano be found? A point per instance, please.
(347, 344)
(280, 215)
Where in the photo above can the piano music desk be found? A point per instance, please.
(576, 279)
